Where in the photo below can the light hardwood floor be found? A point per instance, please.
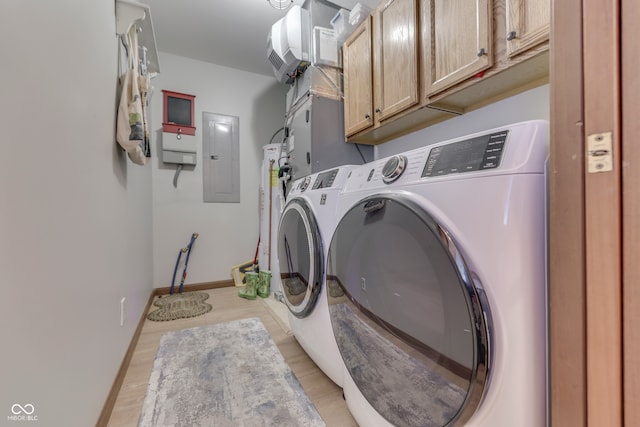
(326, 396)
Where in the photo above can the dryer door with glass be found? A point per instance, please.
(300, 257)
(411, 326)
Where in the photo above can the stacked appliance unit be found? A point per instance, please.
(314, 107)
(315, 131)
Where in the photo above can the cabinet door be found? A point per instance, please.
(527, 24)
(457, 41)
(358, 81)
(395, 57)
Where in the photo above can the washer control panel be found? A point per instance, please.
(332, 179)
(325, 179)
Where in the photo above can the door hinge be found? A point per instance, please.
(600, 152)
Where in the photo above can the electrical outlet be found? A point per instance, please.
(122, 311)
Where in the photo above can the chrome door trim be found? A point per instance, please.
(316, 257)
(475, 296)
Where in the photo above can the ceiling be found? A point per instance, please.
(231, 33)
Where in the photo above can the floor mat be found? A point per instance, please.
(228, 374)
(180, 306)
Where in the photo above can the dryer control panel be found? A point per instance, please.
(519, 148)
(479, 153)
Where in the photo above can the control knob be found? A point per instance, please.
(305, 184)
(394, 168)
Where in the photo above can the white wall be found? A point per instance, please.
(530, 105)
(75, 215)
(228, 231)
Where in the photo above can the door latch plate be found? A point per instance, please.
(599, 152)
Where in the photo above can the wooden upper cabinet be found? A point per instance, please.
(450, 56)
(358, 81)
(457, 41)
(395, 57)
(528, 24)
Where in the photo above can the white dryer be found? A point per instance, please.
(438, 269)
(306, 225)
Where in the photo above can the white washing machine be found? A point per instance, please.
(438, 268)
(306, 225)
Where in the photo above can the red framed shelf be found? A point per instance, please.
(178, 115)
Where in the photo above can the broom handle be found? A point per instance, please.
(194, 236)
(255, 258)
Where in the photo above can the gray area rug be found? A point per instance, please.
(229, 374)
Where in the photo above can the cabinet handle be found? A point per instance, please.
(367, 116)
(481, 52)
(511, 35)
(378, 110)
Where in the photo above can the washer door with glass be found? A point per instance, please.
(300, 257)
(410, 324)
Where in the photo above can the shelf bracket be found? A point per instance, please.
(130, 12)
(127, 13)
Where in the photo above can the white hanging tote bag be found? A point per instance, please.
(130, 124)
(144, 86)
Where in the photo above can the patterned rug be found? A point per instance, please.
(180, 306)
(224, 375)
